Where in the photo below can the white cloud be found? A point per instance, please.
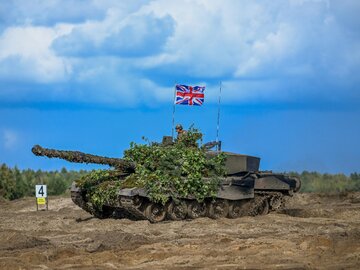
(119, 88)
(274, 50)
(52, 12)
(129, 36)
(25, 54)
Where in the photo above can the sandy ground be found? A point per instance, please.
(313, 232)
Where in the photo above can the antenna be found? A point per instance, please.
(218, 145)
(173, 116)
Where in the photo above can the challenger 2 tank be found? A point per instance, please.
(244, 190)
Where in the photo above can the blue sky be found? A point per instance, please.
(95, 75)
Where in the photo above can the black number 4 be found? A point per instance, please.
(41, 191)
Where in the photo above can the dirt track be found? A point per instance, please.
(321, 232)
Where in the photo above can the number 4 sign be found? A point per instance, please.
(41, 196)
(41, 191)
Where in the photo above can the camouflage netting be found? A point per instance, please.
(79, 157)
(178, 170)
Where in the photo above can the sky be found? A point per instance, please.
(94, 75)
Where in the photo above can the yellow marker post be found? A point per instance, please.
(41, 200)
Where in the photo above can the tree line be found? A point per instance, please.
(16, 183)
(328, 183)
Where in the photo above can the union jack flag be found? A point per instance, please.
(189, 95)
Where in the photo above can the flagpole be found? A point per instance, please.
(218, 147)
(173, 116)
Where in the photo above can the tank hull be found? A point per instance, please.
(247, 195)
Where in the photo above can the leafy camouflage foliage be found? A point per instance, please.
(101, 186)
(178, 170)
(96, 177)
(105, 192)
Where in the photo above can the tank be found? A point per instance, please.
(243, 191)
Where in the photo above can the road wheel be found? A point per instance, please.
(196, 209)
(275, 202)
(239, 208)
(218, 209)
(177, 211)
(263, 207)
(155, 212)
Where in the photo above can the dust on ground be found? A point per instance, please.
(313, 232)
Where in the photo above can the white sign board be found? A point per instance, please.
(40, 191)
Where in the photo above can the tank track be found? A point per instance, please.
(141, 208)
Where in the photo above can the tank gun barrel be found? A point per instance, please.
(79, 157)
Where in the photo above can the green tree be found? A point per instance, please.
(57, 184)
